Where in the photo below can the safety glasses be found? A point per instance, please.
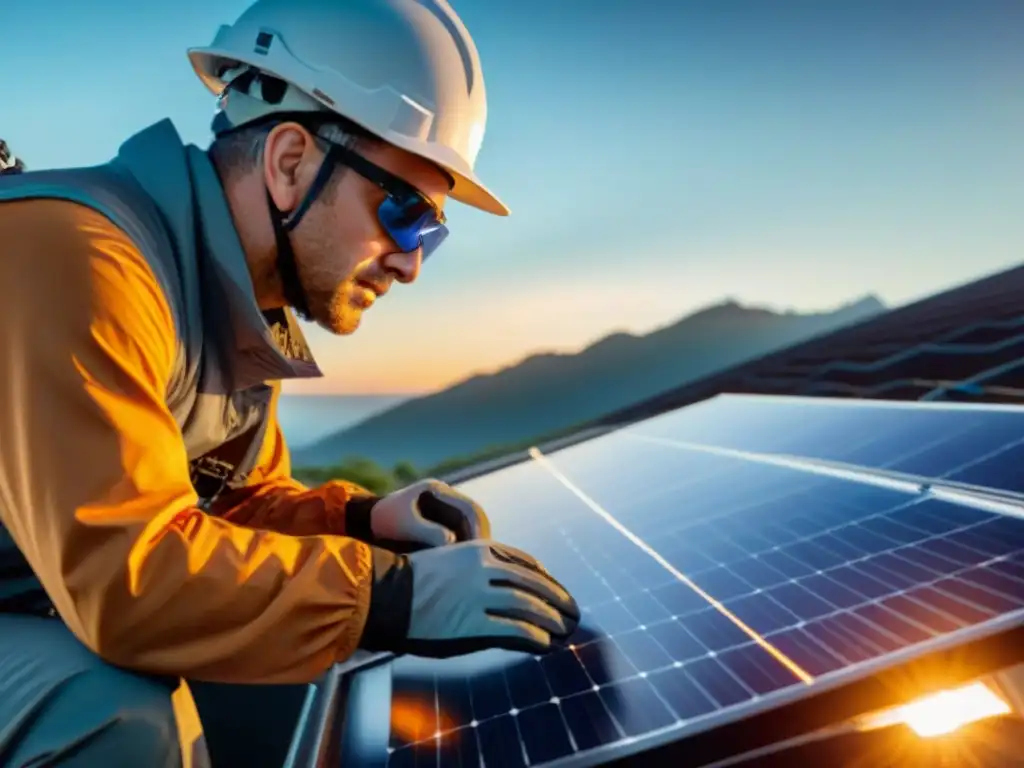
(408, 216)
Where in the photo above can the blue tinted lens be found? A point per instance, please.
(411, 223)
(432, 240)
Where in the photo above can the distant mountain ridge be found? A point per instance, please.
(551, 391)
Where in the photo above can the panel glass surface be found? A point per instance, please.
(976, 445)
(708, 581)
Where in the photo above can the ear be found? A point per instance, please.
(290, 161)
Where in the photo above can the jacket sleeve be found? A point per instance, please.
(94, 482)
(272, 500)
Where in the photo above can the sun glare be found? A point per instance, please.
(943, 712)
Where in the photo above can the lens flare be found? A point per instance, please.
(944, 712)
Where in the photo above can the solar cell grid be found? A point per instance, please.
(973, 445)
(726, 580)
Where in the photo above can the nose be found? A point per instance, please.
(404, 266)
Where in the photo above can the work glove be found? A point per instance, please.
(466, 597)
(427, 513)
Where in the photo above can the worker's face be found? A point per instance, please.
(345, 258)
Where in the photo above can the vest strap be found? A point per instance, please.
(228, 465)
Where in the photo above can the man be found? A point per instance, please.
(151, 532)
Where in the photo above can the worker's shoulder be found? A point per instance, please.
(64, 234)
(46, 220)
(70, 246)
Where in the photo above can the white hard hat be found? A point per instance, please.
(405, 70)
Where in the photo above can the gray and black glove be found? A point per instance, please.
(466, 597)
(428, 513)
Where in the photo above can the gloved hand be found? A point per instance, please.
(427, 513)
(463, 598)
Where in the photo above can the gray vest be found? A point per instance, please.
(169, 200)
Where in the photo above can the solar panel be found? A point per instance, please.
(975, 445)
(730, 554)
(954, 359)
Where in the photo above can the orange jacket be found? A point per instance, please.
(95, 488)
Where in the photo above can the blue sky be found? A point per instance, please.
(657, 157)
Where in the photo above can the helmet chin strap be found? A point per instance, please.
(287, 267)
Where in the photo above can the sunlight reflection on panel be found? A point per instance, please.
(944, 712)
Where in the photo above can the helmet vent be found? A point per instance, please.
(263, 41)
(323, 97)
